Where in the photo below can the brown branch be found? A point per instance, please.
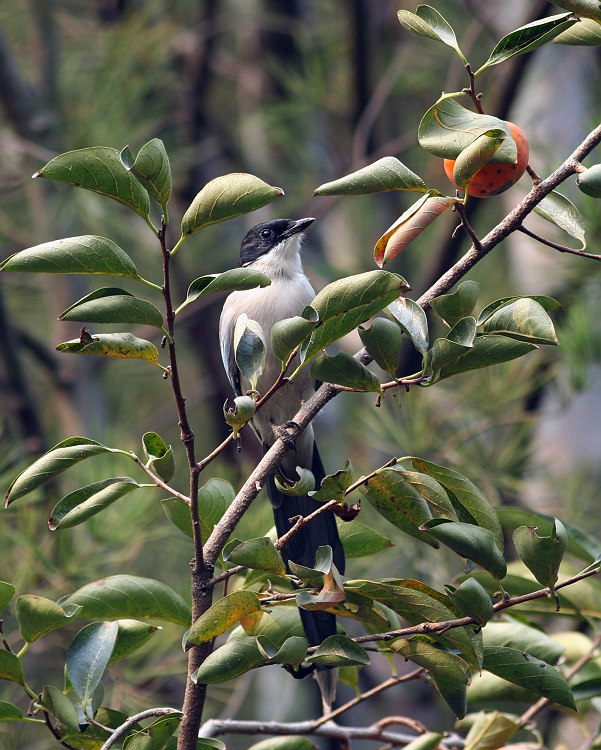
(216, 727)
(159, 482)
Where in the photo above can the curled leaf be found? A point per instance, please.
(409, 225)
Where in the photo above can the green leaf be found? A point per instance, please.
(64, 455)
(453, 692)
(519, 668)
(123, 596)
(214, 498)
(448, 128)
(359, 540)
(160, 455)
(60, 706)
(152, 169)
(78, 506)
(515, 634)
(343, 369)
(547, 303)
(250, 349)
(234, 658)
(423, 651)
(429, 23)
(11, 668)
(528, 38)
(236, 279)
(292, 651)
(339, 651)
(457, 305)
(563, 213)
(416, 602)
(491, 730)
(101, 170)
(156, 736)
(488, 349)
(399, 502)
(224, 614)
(463, 332)
(426, 741)
(444, 353)
(178, 512)
(385, 174)
(10, 712)
(334, 486)
(288, 334)
(468, 501)
(585, 8)
(542, 554)
(383, 342)
(114, 345)
(587, 33)
(37, 616)
(225, 197)
(87, 254)
(412, 319)
(346, 303)
(7, 591)
(131, 635)
(477, 155)
(432, 491)
(524, 320)
(88, 656)
(589, 181)
(258, 554)
(112, 305)
(472, 542)
(472, 600)
(290, 742)
(580, 544)
(409, 225)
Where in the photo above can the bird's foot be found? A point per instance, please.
(282, 431)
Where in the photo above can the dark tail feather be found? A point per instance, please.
(302, 546)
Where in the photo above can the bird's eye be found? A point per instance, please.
(266, 234)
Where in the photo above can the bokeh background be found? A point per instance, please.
(298, 92)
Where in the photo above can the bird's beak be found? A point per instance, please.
(298, 226)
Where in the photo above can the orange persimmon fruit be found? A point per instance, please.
(493, 179)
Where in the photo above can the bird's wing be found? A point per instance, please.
(227, 324)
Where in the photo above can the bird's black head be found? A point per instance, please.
(263, 237)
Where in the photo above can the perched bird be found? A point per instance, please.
(273, 247)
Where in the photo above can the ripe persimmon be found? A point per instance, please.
(493, 179)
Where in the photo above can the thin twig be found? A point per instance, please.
(391, 682)
(122, 729)
(159, 482)
(557, 246)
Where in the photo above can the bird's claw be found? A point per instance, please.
(281, 432)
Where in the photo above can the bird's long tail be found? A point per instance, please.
(303, 544)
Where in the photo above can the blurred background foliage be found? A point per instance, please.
(298, 92)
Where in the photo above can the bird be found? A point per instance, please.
(274, 248)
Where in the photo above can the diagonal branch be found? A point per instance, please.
(309, 410)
